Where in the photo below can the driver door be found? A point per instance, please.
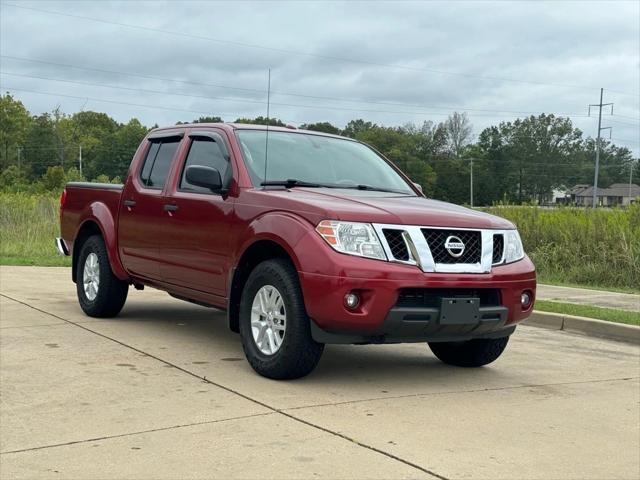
(195, 245)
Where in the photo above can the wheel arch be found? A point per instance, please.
(92, 226)
(256, 253)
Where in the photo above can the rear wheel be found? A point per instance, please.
(472, 353)
(274, 326)
(100, 292)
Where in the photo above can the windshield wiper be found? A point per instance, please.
(289, 183)
(374, 189)
(292, 182)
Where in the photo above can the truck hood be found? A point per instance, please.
(381, 207)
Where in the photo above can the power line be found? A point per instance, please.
(295, 52)
(622, 93)
(626, 116)
(138, 75)
(624, 123)
(312, 107)
(201, 112)
(626, 140)
(317, 97)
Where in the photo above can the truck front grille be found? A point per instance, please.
(396, 242)
(437, 238)
(498, 247)
(432, 297)
(442, 250)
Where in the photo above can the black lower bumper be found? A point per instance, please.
(409, 324)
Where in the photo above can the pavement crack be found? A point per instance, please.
(130, 434)
(453, 392)
(230, 390)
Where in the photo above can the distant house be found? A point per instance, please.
(618, 194)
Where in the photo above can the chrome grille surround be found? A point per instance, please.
(421, 256)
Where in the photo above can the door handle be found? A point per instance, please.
(170, 207)
(129, 203)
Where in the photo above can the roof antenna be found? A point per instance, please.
(266, 141)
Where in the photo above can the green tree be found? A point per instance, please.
(274, 122)
(41, 146)
(54, 178)
(402, 149)
(13, 177)
(355, 127)
(528, 158)
(125, 142)
(208, 120)
(325, 127)
(14, 125)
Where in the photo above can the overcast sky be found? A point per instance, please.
(389, 62)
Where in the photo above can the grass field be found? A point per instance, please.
(28, 227)
(608, 314)
(572, 246)
(584, 247)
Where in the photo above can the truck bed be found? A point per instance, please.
(83, 199)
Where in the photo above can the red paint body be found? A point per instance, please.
(193, 252)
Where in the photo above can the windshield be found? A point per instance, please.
(317, 159)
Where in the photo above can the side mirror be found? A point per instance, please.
(418, 186)
(206, 177)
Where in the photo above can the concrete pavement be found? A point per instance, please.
(585, 296)
(163, 391)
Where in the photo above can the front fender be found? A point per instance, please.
(282, 228)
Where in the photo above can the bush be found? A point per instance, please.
(54, 178)
(102, 179)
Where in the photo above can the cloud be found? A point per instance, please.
(346, 46)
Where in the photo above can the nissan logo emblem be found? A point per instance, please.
(454, 246)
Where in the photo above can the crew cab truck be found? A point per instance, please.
(304, 239)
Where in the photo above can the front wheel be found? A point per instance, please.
(274, 326)
(100, 292)
(472, 353)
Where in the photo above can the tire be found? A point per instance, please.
(297, 353)
(105, 298)
(470, 354)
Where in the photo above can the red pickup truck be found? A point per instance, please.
(304, 239)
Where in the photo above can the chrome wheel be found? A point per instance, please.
(268, 320)
(91, 276)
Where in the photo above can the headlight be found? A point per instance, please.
(352, 238)
(513, 250)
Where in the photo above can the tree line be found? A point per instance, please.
(518, 161)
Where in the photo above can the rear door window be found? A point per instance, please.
(158, 163)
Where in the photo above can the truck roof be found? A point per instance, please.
(230, 127)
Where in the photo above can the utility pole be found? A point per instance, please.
(471, 183)
(630, 178)
(19, 158)
(600, 128)
(80, 158)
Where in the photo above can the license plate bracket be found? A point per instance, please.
(459, 311)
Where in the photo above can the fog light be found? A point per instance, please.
(525, 300)
(351, 300)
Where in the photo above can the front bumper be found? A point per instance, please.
(380, 319)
